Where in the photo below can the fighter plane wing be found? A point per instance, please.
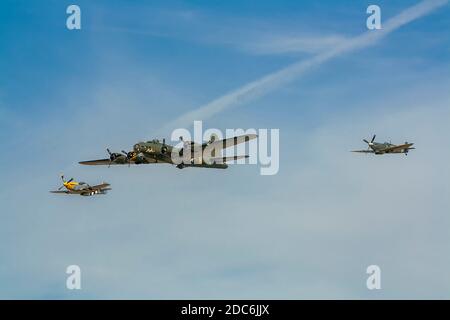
(102, 186)
(364, 151)
(226, 143)
(59, 191)
(399, 147)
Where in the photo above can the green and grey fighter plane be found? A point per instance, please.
(383, 148)
(190, 155)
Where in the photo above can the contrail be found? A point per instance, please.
(274, 80)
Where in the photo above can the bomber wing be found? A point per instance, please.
(100, 162)
(364, 151)
(108, 162)
(226, 143)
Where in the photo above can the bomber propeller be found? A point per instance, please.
(129, 156)
(112, 156)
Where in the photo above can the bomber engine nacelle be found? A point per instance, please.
(190, 146)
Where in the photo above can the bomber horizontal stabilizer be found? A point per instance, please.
(227, 159)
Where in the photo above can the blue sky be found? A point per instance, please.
(308, 232)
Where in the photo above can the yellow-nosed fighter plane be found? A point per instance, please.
(81, 188)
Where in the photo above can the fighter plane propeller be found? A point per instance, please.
(64, 182)
(156, 152)
(371, 141)
(386, 147)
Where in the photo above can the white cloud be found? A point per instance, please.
(282, 44)
(281, 77)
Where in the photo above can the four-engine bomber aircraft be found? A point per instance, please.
(190, 155)
(382, 148)
(81, 188)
